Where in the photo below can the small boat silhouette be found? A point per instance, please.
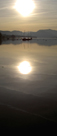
(26, 39)
(23, 39)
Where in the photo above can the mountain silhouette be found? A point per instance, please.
(40, 34)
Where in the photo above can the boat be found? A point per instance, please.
(23, 39)
(26, 38)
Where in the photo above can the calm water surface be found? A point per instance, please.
(42, 57)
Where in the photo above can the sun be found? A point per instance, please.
(24, 7)
(24, 67)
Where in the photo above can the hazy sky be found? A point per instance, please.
(44, 16)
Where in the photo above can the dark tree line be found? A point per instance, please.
(0, 38)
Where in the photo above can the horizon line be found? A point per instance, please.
(29, 31)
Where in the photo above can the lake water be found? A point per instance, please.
(43, 60)
(40, 83)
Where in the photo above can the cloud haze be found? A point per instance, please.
(44, 16)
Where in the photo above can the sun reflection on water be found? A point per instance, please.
(24, 67)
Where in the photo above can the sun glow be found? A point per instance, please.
(24, 67)
(24, 7)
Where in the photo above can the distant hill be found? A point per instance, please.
(45, 33)
(11, 32)
(40, 34)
